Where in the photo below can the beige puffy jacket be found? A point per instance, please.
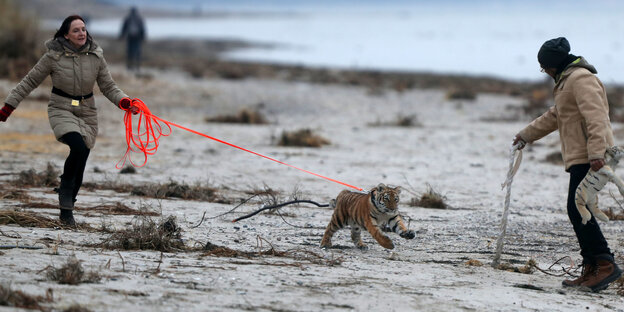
(75, 73)
(581, 113)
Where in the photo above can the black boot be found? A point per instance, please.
(66, 201)
(66, 195)
(67, 217)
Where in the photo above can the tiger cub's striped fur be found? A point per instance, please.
(586, 195)
(367, 211)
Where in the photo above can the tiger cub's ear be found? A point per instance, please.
(618, 152)
(380, 187)
(397, 190)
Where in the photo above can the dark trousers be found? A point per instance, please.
(133, 53)
(76, 161)
(589, 236)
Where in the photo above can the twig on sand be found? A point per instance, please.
(19, 246)
(295, 226)
(157, 270)
(277, 206)
(223, 214)
(123, 263)
(565, 271)
(200, 221)
(532, 264)
(615, 199)
(259, 240)
(11, 236)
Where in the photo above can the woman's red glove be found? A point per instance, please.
(6, 111)
(126, 104)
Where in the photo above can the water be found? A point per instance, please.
(490, 39)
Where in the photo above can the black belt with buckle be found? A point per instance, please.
(77, 98)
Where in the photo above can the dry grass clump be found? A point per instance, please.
(537, 103)
(145, 234)
(18, 299)
(76, 308)
(619, 284)
(161, 191)
(615, 97)
(302, 138)
(461, 94)
(31, 178)
(264, 191)
(211, 249)
(30, 219)
(118, 208)
(14, 194)
(474, 262)
(72, 273)
(410, 121)
(27, 219)
(528, 268)
(430, 199)
(554, 158)
(38, 205)
(183, 191)
(244, 116)
(613, 215)
(128, 170)
(20, 41)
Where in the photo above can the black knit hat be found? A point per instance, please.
(553, 52)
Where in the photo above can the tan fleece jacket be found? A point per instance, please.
(581, 113)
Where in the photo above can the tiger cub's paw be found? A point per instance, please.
(387, 243)
(408, 234)
(326, 245)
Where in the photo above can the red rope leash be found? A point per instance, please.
(145, 140)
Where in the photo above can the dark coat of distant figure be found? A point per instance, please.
(133, 29)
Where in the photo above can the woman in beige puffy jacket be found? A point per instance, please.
(581, 114)
(75, 63)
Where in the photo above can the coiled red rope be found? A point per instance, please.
(149, 129)
(145, 139)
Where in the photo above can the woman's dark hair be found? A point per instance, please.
(64, 30)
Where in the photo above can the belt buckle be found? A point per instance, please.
(75, 103)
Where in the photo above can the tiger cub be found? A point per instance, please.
(586, 195)
(367, 211)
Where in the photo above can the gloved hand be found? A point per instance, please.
(126, 104)
(519, 141)
(6, 111)
(596, 164)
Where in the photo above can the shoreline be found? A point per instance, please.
(203, 59)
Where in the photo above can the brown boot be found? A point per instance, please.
(605, 272)
(585, 272)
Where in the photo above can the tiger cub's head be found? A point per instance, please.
(613, 155)
(386, 198)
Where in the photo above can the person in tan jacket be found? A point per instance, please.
(75, 63)
(581, 114)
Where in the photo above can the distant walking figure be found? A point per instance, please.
(133, 29)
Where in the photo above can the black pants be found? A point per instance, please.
(76, 161)
(589, 236)
(133, 53)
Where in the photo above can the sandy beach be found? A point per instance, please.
(458, 147)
